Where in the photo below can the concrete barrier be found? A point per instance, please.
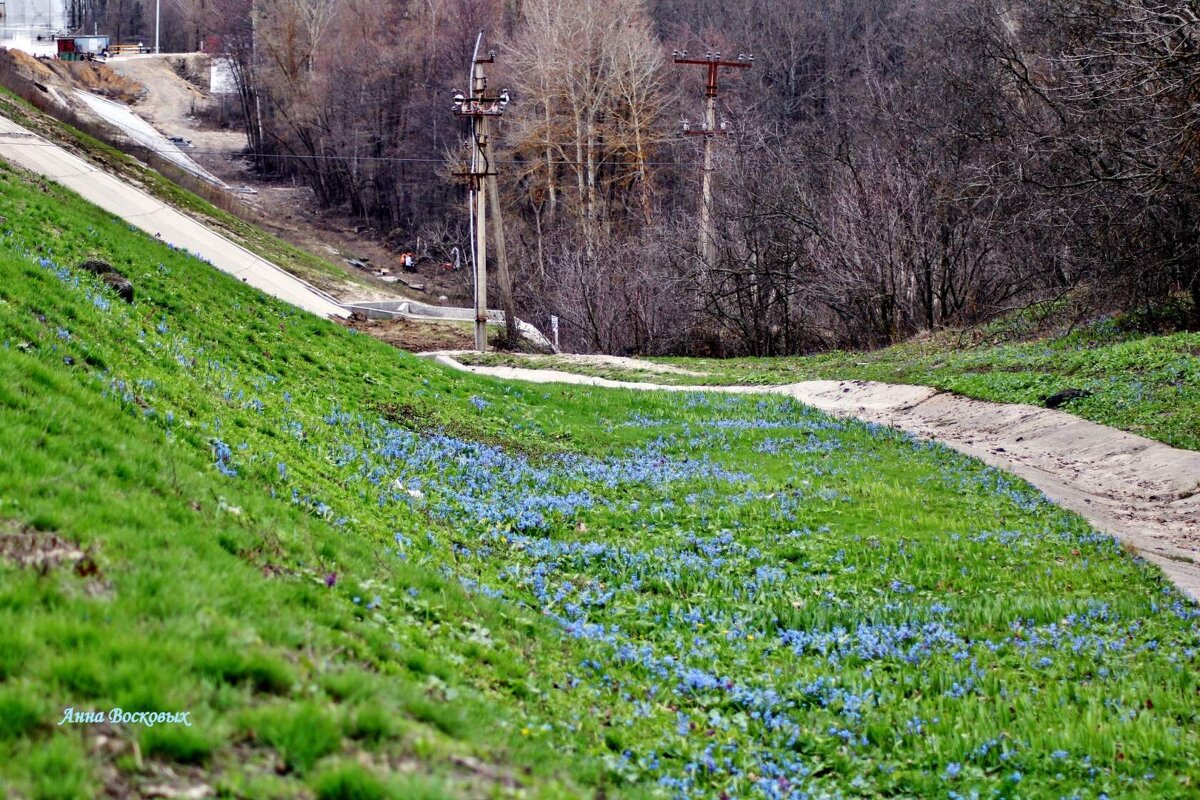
(414, 310)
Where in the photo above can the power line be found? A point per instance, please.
(388, 159)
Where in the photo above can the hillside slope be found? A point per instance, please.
(364, 576)
(300, 263)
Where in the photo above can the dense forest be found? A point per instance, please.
(892, 167)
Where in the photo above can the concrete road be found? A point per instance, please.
(41, 156)
(122, 116)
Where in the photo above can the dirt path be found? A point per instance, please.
(171, 104)
(624, 362)
(1145, 493)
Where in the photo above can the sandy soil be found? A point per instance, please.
(1145, 493)
(173, 105)
(97, 78)
(625, 362)
(416, 336)
(595, 360)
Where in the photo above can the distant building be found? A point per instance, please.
(221, 78)
(31, 25)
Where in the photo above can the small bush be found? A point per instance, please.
(259, 670)
(60, 771)
(417, 787)
(349, 782)
(14, 650)
(80, 677)
(178, 743)
(301, 734)
(18, 713)
(373, 723)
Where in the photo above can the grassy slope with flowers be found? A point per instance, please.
(368, 577)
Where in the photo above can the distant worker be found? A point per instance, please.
(406, 261)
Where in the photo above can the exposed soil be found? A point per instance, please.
(89, 75)
(98, 78)
(290, 213)
(416, 337)
(175, 106)
(625, 362)
(41, 550)
(55, 79)
(1145, 493)
(28, 67)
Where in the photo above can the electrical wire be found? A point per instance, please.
(373, 159)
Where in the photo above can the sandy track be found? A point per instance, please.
(626, 362)
(1145, 493)
(170, 103)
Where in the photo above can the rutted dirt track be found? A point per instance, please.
(1145, 493)
(171, 104)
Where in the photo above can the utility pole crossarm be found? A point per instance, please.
(480, 107)
(709, 129)
(713, 62)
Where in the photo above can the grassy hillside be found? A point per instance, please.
(1144, 383)
(363, 576)
(299, 262)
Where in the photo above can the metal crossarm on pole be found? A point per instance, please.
(709, 129)
(480, 107)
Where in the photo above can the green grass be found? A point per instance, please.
(364, 576)
(181, 616)
(1139, 382)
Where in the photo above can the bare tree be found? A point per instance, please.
(592, 76)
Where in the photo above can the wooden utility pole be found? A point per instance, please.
(479, 107)
(709, 129)
(503, 278)
(479, 170)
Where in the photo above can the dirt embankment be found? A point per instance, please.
(413, 335)
(175, 105)
(54, 81)
(99, 79)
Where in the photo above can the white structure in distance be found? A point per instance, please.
(31, 25)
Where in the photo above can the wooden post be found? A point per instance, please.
(708, 238)
(503, 277)
(480, 164)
